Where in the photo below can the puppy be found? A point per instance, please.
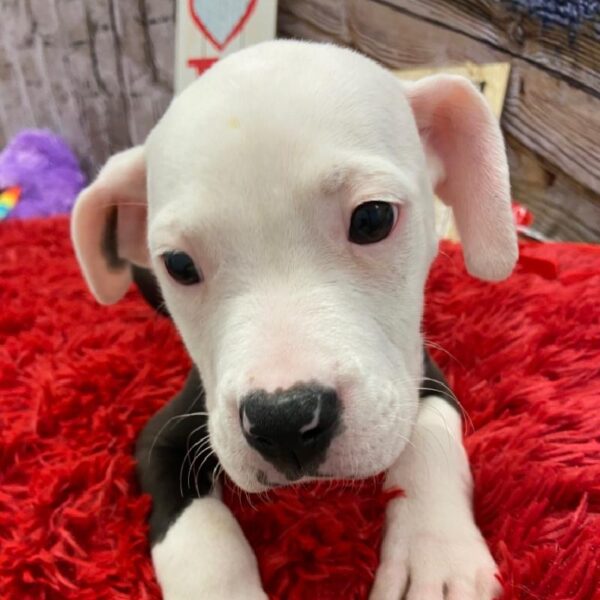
(285, 203)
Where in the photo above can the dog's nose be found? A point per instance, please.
(292, 428)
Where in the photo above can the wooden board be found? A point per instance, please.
(98, 72)
(567, 48)
(563, 208)
(207, 30)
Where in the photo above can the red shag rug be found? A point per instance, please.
(78, 381)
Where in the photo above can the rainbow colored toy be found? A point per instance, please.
(8, 200)
(39, 176)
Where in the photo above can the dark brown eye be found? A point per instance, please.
(372, 222)
(181, 268)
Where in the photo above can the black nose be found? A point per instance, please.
(292, 428)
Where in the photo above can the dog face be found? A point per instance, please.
(285, 204)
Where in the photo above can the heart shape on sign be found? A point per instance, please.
(221, 20)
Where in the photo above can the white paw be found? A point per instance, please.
(206, 586)
(436, 563)
(222, 593)
(205, 556)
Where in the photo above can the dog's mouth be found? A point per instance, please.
(263, 479)
(294, 478)
(291, 477)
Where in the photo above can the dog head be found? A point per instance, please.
(285, 204)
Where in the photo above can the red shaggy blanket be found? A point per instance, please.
(78, 381)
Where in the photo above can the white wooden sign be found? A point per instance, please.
(209, 29)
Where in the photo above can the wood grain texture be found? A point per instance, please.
(556, 121)
(568, 52)
(563, 208)
(99, 72)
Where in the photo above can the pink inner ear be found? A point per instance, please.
(131, 234)
(458, 129)
(120, 184)
(87, 231)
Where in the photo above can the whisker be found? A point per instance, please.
(207, 457)
(452, 396)
(249, 500)
(187, 443)
(158, 434)
(238, 493)
(202, 446)
(432, 344)
(187, 455)
(449, 395)
(438, 440)
(330, 485)
(216, 474)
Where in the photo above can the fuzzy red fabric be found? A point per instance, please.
(78, 381)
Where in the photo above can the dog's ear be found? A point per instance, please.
(465, 151)
(108, 225)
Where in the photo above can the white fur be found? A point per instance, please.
(258, 187)
(431, 538)
(254, 171)
(205, 556)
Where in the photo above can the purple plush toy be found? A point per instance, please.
(39, 176)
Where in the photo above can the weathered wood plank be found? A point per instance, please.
(571, 53)
(568, 53)
(16, 106)
(563, 209)
(556, 121)
(99, 72)
(536, 110)
(329, 16)
(147, 74)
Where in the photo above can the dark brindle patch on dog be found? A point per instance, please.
(175, 463)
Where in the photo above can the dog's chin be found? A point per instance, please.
(256, 480)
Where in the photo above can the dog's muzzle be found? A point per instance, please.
(292, 429)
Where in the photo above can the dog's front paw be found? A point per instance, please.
(435, 563)
(222, 594)
(226, 584)
(205, 556)
(242, 595)
(203, 588)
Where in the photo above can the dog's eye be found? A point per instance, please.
(181, 268)
(372, 222)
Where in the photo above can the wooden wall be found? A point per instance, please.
(97, 71)
(100, 73)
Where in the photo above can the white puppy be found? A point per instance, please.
(285, 204)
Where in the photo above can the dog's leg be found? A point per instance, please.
(205, 556)
(198, 548)
(432, 548)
